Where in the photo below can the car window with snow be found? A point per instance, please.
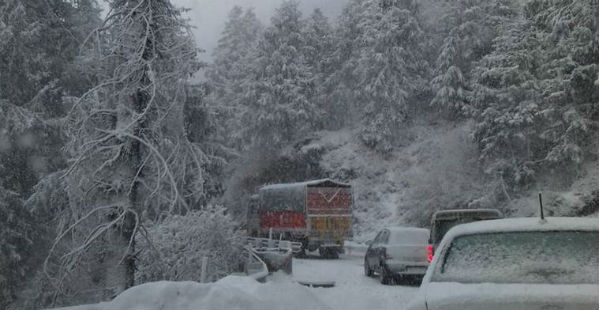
(565, 257)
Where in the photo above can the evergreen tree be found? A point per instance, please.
(339, 87)
(569, 80)
(507, 96)
(131, 160)
(318, 52)
(226, 75)
(391, 69)
(536, 94)
(33, 72)
(16, 244)
(35, 79)
(38, 72)
(278, 91)
(470, 28)
(233, 50)
(318, 44)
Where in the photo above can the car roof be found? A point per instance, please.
(455, 212)
(406, 229)
(524, 224)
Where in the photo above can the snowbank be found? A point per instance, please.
(232, 292)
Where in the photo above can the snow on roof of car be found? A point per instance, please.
(524, 224)
(453, 213)
(407, 229)
(305, 183)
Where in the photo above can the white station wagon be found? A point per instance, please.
(520, 263)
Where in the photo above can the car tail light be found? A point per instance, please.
(429, 253)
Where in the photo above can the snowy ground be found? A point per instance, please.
(280, 291)
(352, 290)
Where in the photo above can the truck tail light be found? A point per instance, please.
(429, 253)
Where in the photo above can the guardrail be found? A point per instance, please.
(255, 267)
(266, 243)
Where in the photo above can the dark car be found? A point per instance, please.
(442, 221)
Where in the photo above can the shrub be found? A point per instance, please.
(179, 242)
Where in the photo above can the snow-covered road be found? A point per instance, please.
(352, 289)
(280, 291)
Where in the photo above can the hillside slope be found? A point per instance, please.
(435, 169)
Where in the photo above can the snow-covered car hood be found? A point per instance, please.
(452, 295)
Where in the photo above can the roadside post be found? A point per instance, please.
(203, 269)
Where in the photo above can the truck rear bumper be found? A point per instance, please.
(318, 244)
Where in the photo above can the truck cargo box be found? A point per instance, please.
(319, 211)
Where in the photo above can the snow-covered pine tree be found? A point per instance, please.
(226, 75)
(35, 78)
(569, 81)
(16, 244)
(278, 91)
(318, 38)
(506, 96)
(470, 28)
(340, 85)
(16, 180)
(237, 42)
(391, 68)
(34, 73)
(130, 158)
(536, 94)
(318, 50)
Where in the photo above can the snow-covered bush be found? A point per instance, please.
(180, 241)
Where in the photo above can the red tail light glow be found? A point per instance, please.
(429, 253)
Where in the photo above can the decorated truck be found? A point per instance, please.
(317, 213)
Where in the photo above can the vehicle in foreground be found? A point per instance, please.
(443, 220)
(398, 253)
(317, 213)
(520, 263)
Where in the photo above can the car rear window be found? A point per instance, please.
(555, 257)
(409, 237)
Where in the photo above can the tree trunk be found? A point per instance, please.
(140, 102)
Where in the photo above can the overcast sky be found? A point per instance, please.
(209, 16)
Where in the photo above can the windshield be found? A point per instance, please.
(564, 257)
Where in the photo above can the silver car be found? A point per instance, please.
(524, 263)
(398, 253)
